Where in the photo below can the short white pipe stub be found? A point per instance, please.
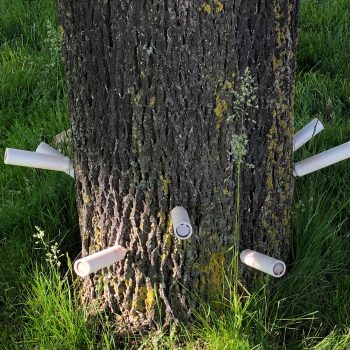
(36, 160)
(322, 160)
(264, 263)
(181, 223)
(307, 133)
(47, 149)
(97, 261)
(81, 268)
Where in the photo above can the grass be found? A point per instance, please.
(39, 308)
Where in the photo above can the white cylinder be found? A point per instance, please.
(181, 223)
(98, 261)
(47, 149)
(36, 160)
(264, 263)
(307, 133)
(322, 160)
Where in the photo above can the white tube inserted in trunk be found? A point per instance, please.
(181, 223)
(307, 133)
(322, 160)
(36, 160)
(99, 260)
(47, 149)
(264, 263)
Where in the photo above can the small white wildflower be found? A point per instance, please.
(52, 252)
(238, 146)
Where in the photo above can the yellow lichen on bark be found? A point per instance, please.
(152, 102)
(140, 296)
(219, 110)
(144, 298)
(135, 97)
(97, 239)
(206, 8)
(228, 85)
(86, 199)
(150, 298)
(219, 6)
(167, 237)
(213, 274)
(165, 185)
(278, 180)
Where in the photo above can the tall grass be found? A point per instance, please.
(55, 320)
(39, 304)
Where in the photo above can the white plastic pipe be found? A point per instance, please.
(322, 160)
(307, 133)
(264, 263)
(47, 149)
(100, 260)
(181, 223)
(36, 160)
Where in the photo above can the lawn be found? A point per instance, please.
(39, 302)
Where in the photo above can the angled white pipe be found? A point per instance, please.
(307, 133)
(264, 263)
(181, 223)
(36, 160)
(322, 160)
(47, 149)
(98, 261)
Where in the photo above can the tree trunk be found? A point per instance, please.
(179, 103)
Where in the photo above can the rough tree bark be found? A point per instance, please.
(178, 103)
